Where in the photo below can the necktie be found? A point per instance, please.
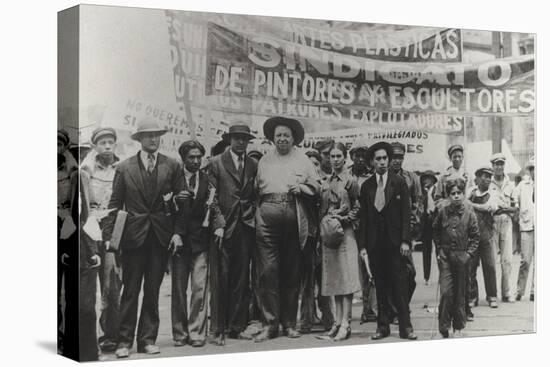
(150, 162)
(240, 166)
(380, 199)
(193, 182)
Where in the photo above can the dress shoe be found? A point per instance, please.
(122, 352)
(532, 298)
(444, 333)
(380, 335)
(493, 304)
(409, 336)
(264, 335)
(518, 297)
(239, 335)
(197, 343)
(368, 316)
(180, 342)
(507, 299)
(291, 333)
(343, 333)
(469, 316)
(457, 334)
(149, 349)
(305, 330)
(107, 346)
(329, 334)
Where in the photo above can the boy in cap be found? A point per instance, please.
(98, 172)
(456, 155)
(485, 203)
(526, 203)
(503, 187)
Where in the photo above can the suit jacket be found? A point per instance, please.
(144, 207)
(396, 212)
(191, 214)
(235, 195)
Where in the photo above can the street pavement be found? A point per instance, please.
(508, 318)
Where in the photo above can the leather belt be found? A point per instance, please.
(278, 197)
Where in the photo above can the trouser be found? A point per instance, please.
(390, 273)
(527, 255)
(323, 302)
(87, 315)
(307, 285)
(368, 290)
(277, 263)
(427, 248)
(229, 279)
(110, 280)
(502, 240)
(453, 271)
(189, 323)
(145, 264)
(486, 255)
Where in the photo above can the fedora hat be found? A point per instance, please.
(148, 126)
(294, 125)
(238, 129)
(380, 145)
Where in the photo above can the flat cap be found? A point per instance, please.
(398, 148)
(102, 132)
(484, 169)
(498, 157)
(454, 148)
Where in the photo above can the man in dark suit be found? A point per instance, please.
(139, 185)
(191, 261)
(232, 173)
(385, 234)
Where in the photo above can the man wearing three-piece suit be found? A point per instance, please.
(385, 234)
(232, 173)
(139, 185)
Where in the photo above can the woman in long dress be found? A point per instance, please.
(340, 275)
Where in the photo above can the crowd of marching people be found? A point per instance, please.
(286, 238)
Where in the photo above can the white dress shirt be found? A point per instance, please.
(384, 179)
(145, 160)
(188, 175)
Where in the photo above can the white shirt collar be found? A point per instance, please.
(236, 158)
(143, 155)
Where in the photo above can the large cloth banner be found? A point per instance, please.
(266, 75)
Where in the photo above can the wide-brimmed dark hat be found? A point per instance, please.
(238, 129)
(377, 146)
(148, 126)
(294, 125)
(429, 173)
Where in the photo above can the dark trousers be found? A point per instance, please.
(189, 323)
(427, 248)
(390, 273)
(453, 271)
(277, 263)
(110, 281)
(308, 311)
(368, 290)
(69, 338)
(87, 317)
(145, 264)
(486, 255)
(229, 279)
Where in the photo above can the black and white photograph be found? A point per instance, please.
(232, 183)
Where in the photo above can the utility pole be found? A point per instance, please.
(502, 47)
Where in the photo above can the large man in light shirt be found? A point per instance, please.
(286, 179)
